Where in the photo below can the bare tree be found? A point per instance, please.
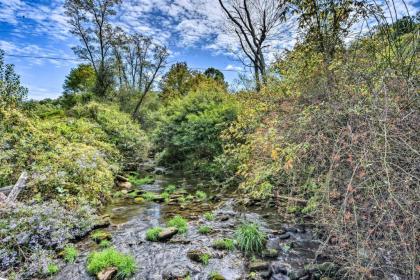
(90, 22)
(138, 62)
(253, 22)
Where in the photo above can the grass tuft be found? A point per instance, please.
(52, 269)
(98, 261)
(153, 233)
(179, 222)
(250, 239)
(149, 196)
(204, 258)
(70, 253)
(135, 180)
(170, 189)
(204, 229)
(209, 216)
(201, 195)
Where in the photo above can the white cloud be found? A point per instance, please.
(231, 67)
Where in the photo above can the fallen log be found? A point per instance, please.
(18, 187)
(6, 190)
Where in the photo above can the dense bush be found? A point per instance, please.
(188, 133)
(30, 234)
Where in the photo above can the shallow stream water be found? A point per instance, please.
(155, 260)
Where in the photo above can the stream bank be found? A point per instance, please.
(290, 250)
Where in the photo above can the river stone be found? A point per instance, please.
(167, 233)
(284, 236)
(124, 185)
(195, 255)
(121, 178)
(107, 273)
(158, 198)
(224, 218)
(216, 276)
(270, 253)
(175, 272)
(258, 265)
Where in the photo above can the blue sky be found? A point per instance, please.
(192, 29)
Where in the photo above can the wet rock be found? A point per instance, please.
(196, 255)
(107, 273)
(139, 199)
(102, 222)
(270, 253)
(167, 233)
(279, 277)
(284, 236)
(124, 185)
(325, 268)
(258, 265)
(175, 273)
(120, 178)
(100, 235)
(297, 274)
(278, 268)
(158, 199)
(159, 171)
(224, 218)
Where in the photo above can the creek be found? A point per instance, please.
(294, 246)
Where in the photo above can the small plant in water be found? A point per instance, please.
(70, 253)
(135, 180)
(204, 258)
(204, 229)
(170, 189)
(250, 238)
(224, 244)
(201, 195)
(149, 196)
(153, 233)
(52, 269)
(105, 244)
(209, 216)
(180, 223)
(98, 261)
(166, 196)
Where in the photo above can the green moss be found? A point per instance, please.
(204, 229)
(179, 222)
(166, 196)
(153, 233)
(224, 244)
(216, 276)
(250, 239)
(98, 261)
(209, 216)
(70, 253)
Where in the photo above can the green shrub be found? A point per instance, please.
(153, 233)
(100, 235)
(209, 216)
(189, 128)
(179, 222)
(70, 253)
(98, 261)
(166, 196)
(224, 244)
(204, 229)
(201, 195)
(250, 239)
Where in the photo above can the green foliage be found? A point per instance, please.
(200, 195)
(98, 261)
(153, 233)
(149, 196)
(52, 269)
(166, 196)
(204, 230)
(250, 239)
(11, 91)
(170, 189)
(224, 244)
(70, 253)
(81, 79)
(105, 244)
(176, 82)
(189, 128)
(209, 216)
(205, 258)
(135, 180)
(179, 222)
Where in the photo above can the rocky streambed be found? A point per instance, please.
(290, 250)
